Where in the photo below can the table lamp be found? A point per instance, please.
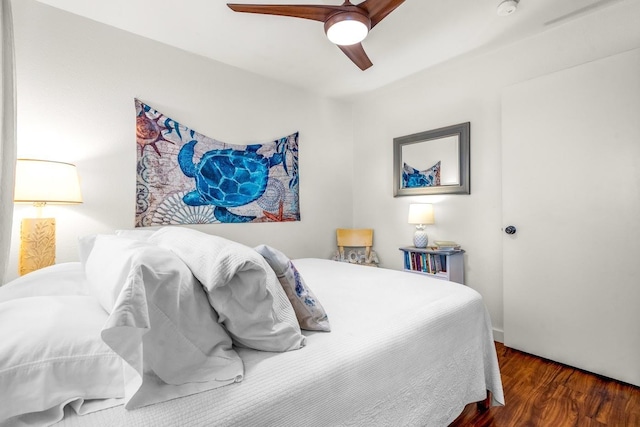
(420, 214)
(41, 182)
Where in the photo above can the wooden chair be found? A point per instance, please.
(356, 238)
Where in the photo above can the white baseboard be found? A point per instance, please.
(498, 335)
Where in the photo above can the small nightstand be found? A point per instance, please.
(445, 265)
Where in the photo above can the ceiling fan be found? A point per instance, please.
(345, 25)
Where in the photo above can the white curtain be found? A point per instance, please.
(7, 133)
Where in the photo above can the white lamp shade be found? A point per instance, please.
(46, 181)
(421, 213)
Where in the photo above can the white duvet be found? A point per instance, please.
(404, 350)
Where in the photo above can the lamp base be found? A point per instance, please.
(420, 238)
(37, 244)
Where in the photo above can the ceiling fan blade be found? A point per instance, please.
(356, 53)
(313, 12)
(379, 9)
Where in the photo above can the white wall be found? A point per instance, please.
(467, 89)
(76, 83)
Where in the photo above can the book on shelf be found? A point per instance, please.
(419, 260)
(445, 245)
(439, 264)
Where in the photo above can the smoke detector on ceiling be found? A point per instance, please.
(507, 7)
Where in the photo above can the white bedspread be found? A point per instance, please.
(405, 350)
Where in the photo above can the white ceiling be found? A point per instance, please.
(417, 35)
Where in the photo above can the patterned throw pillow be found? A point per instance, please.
(412, 177)
(309, 312)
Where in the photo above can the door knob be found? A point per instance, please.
(510, 230)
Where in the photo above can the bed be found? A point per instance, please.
(403, 349)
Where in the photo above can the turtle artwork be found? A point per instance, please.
(189, 178)
(227, 178)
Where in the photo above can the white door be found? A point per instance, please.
(571, 189)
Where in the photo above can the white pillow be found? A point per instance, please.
(107, 266)
(136, 234)
(241, 287)
(310, 313)
(59, 279)
(160, 322)
(85, 245)
(51, 354)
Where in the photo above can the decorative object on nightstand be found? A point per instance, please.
(359, 242)
(420, 214)
(435, 262)
(41, 182)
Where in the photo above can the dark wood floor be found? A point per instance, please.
(542, 393)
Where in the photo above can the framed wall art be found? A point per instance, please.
(432, 162)
(185, 177)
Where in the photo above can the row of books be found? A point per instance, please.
(425, 262)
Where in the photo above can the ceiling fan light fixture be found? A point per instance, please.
(347, 28)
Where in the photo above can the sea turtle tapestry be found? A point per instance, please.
(185, 177)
